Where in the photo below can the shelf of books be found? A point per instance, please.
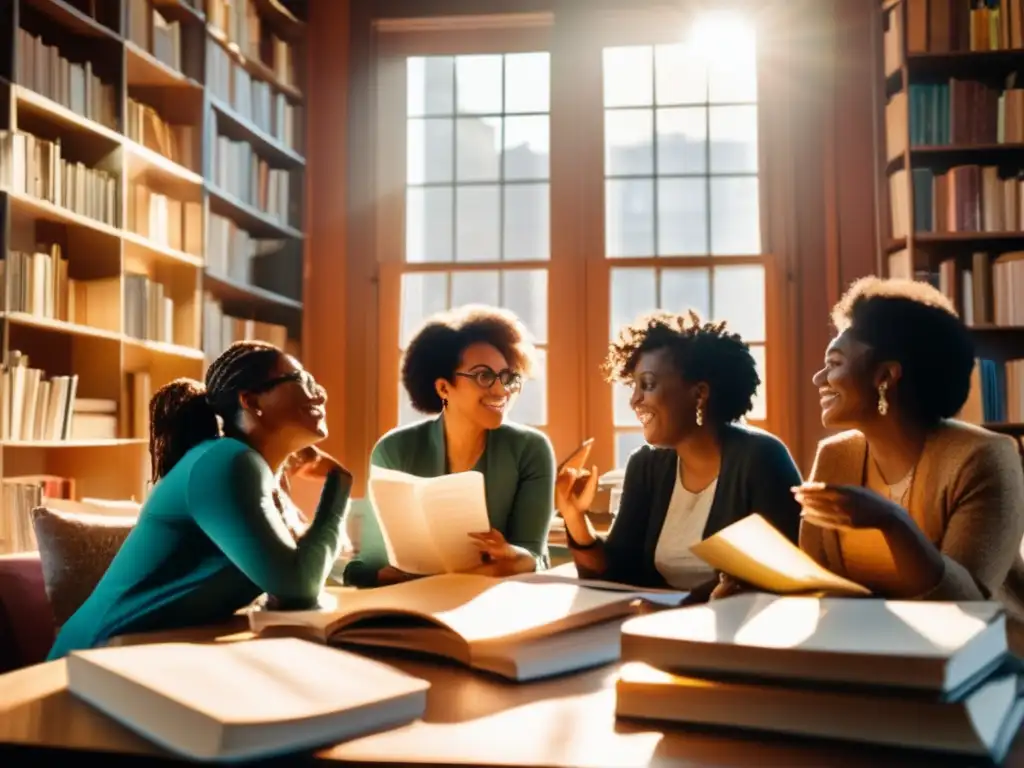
(151, 177)
(954, 177)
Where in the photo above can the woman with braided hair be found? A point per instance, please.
(218, 530)
(700, 472)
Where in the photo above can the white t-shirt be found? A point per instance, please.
(685, 520)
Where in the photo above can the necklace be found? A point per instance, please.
(899, 490)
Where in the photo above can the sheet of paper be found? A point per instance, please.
(455, 506)
(753, 551)
(406, 532)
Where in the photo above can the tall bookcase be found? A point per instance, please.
(952, 177)
(151, 178)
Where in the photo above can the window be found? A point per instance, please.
(682, 213)
(477, 196)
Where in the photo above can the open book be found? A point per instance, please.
(567, 574)
(754, 551)
(242, 701)
(518, 630)
(426, 521)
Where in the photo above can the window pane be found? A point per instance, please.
(623, 411)
(760, 410)
(478, 223)
(733, 139)
(739, 299)
(430, 88)
(628, 77)
(423, 294)
(629, 142)
(527, 148)
(479, 148)
(527, 222)
(525, 292)
(682, 217)
(682, 140)
(429, 150)
(732, 57)
(735, 216)
(478, 85)
(629, 217)
(531, 407)
(528, 82)
(634, 293)
(625, 444)
(428, 224)
(681, 74)
(686, 289)
(475, 288)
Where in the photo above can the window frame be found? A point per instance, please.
(579, 401)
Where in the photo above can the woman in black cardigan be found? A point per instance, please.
(701, 470)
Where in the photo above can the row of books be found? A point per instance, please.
(34, 166)
(966, 198)
(221, 330)
(41, 68)
(251, 98)
(236, 168)
(33, 407)
(942, 26)
(178, 143)
(960, 112)
(149, 313)
(997, 393)
(240, 23)
(987, 291)
(37, 283)
(230, 249)
(152, 32)
(20, 495)
(166, 220)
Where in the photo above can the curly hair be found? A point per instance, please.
(435, 352)
(700, 351)
(914, 324)
(185, 412)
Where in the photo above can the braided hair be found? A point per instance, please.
(185, 412)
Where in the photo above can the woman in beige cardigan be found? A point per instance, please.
(908, 502)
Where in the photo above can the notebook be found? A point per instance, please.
(754, 551)
(243, 701)
(411, 509)
(983, 723)
(517, 630)
(939, 647)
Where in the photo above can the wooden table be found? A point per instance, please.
(472, 719)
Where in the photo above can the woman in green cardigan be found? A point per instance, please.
(465, 367)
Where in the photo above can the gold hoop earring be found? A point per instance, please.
(883, 403)
(700, 414)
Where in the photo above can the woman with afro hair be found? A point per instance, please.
(700, 471)
(908, 501)
(464, 369)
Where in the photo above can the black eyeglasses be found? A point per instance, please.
(302, 378)
(485, 378)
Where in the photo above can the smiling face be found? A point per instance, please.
(846, 385)
(476, 391)
(664, 402)
(291, 404)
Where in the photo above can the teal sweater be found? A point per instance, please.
(518, 465)
(208, 541)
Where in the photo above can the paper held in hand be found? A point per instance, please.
(426, 521)
(754, 551)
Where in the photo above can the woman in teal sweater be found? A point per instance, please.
(466, 367)
(218, 530)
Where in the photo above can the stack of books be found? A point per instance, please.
(935, 676)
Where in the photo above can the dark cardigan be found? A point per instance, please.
(756, 475)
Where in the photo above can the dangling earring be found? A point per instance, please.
(883, 404)
(444, 403)
(700, 414)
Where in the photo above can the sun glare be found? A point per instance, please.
(719, 35)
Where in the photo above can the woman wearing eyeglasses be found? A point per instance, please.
(464, 368)
(218, 530)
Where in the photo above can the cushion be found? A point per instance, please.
(75, 550)
(26, 622)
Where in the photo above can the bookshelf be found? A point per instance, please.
(151, 181)
(951, 176)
